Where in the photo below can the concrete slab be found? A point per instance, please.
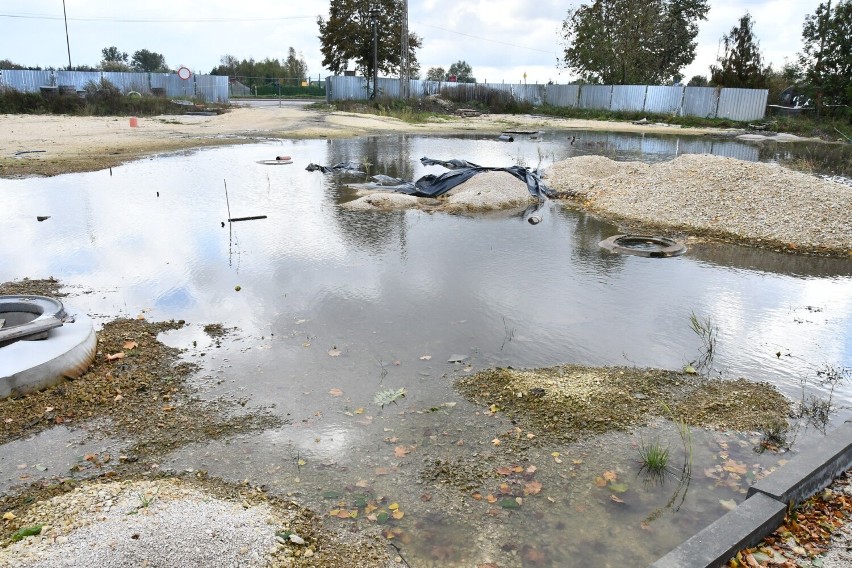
(814, 468)
(745, 526)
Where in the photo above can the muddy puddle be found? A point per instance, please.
(322, 309)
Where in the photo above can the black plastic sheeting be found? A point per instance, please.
(434, 186)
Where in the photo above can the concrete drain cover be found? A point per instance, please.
(644, 245)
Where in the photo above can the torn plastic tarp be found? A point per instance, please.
(434, 186)
(342, 168)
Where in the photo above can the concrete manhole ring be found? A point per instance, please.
(644, 245)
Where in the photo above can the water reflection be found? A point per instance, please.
(397, 293)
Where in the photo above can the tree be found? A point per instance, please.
(8, 64)
(113, 59)
(436, 74)
(347, 35)
(295, 68)
(622, 42)
(148, 61)
(698, 81)
(826, 59)
(740, 65)
(462, 71)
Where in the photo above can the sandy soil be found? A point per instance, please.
(50, 145)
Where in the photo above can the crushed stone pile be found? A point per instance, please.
(714, 195)
(486, 191)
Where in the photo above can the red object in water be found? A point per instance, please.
(134, 122)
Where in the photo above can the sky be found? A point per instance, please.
(502, 40)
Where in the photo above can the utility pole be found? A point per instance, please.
(404, 67)
(67, 41)
(374, 14)
(823, 29)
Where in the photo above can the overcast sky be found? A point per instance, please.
(500, 39)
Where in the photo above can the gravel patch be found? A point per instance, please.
(750, 202)
(145, 524)
(383, 201)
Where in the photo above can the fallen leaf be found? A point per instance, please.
(733, 466)
(496, 441)
(503, 470)
(532, 488)
(401, 451)
(531, 469)
(728, 504)
(491, 498)
(616, 498)
(600, 482)
(335, 392)
(397, 514)
(115, 356)
(359, 411)
(393, 506)
(130, 344)
(425, 357)
(504, 488)
(334, 352)
(426, 497)
(610, 475)
(8, 516)
(49, 409)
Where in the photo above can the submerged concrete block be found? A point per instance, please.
(811, 470)
(745, 526)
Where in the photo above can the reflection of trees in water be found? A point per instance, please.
(388, 155)
(751, 258)
(372, 231)
(820, 158)
(587, 233)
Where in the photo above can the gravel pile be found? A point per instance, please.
(383, 201)
(148, 523)
(486, 191)
(489, 190)
(716, 196)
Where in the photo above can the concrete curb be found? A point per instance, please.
(766, 503)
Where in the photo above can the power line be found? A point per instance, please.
(155, 20)
(486, 39)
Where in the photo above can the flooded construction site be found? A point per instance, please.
(367, 339)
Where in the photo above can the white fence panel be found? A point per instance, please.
(742, 104)
(700, 101)
(663, 100)
(628, 98)
(26, 81)
(595, 96)
(563, 95)
(212, 88)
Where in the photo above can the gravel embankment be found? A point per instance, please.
(751, 202)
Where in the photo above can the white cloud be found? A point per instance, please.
(500, 39)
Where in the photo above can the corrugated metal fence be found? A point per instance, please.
(210, 88)
(707, 102)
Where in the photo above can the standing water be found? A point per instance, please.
(333, 306)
